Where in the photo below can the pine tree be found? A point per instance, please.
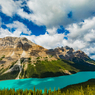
(29, 93)
(49, 91)
(88, 89)
(59, 92)
(40, 92)
(55, 92)
(67, 93)
(82, 92)
(34, 92)
(45, 91)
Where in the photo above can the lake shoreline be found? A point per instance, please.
(47, 77)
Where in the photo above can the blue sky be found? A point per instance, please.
(51, 24)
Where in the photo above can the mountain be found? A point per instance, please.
(70, 54)
(21, 58)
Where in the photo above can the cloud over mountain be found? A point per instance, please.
(76, 16)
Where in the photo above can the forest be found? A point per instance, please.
(80, 91)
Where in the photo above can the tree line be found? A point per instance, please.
(81, 91)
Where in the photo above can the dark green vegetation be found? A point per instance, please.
(81, 64)
(46, 68)
(42, 69)
(91, 61)
(11, 75)
(2, 57)
(86, 88)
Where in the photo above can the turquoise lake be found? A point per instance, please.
(41, 83)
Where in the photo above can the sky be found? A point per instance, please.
(51, 23)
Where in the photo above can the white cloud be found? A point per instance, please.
(90, 36)
(20, 27)
(76, 44)
(47, 41)
(52, 31)
(82, 36)
(54, 13)
(4, 33)
(93, 57)
(78, 30)
(9, 7)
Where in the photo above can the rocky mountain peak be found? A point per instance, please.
(23, 46)
(24, 39)
(68, 53)
(67, 47)
(15, 41)
(19, 44)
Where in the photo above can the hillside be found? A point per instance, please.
(86, 88)
(21, 58)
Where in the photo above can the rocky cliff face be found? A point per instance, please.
(67, 53)
(20, 47)
(13, 46)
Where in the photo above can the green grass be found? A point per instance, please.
(48, 69)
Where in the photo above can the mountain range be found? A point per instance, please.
(21, 58)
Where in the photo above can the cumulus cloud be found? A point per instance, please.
(82, 36)
(19, 28)
(58, 12)
(51, 13)
(4, 33)
(52, 31)
(47, 41)
(9, 7)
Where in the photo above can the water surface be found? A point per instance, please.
(41, 83)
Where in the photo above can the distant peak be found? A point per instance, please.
(79, 51)
(67, 47)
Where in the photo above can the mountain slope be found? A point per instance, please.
(21, 58)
